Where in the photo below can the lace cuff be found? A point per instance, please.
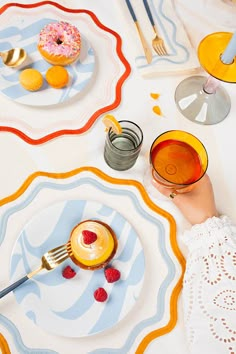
(211, 231)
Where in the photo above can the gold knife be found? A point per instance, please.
(147, 50)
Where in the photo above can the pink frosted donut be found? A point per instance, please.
(59, 43)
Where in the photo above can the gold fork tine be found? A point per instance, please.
(160, 47)
(157, 49)
(56, 253)
(57, 257)
(49, 261)
(164, 51)
(52, 259)
(157, 42)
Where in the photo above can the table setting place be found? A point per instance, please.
(117, 184)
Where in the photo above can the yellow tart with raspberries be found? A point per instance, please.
(93, 244)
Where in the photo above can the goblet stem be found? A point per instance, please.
(202, 101)
(211, 85)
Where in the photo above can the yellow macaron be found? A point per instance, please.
(31, 79)
(57, 76)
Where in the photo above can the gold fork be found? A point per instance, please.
(49, 261)
(157, 42)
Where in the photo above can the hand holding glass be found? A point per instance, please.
(177, 160)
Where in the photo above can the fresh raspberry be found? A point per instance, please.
(89, 237)
(68, 272)
(112, 274)
(100, 294)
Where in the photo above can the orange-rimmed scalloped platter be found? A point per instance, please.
(154, 311)
(95, 79)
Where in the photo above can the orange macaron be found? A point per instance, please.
(57, 76)
(31, 79)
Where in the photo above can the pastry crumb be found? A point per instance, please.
(157, 110)
(155, 96)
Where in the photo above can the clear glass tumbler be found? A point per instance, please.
(121, 150)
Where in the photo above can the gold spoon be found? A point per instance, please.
(13, 57)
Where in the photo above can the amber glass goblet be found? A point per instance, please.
(200, 99)
(177, 160)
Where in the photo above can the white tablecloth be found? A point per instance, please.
(18, 159)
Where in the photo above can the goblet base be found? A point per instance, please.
(199, 106)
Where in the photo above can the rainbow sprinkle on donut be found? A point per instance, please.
(60, 38)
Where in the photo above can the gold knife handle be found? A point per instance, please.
(146, 48)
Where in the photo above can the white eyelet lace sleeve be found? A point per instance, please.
(209, 291)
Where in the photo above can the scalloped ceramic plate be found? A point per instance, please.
(97, 84)
(67, 307)
(155, 311)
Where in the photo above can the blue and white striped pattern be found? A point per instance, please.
(25, 34)
(67, 307)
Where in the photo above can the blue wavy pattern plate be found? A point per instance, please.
(67, 307)
(25, 34)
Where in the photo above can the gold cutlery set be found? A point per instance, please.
(157, 42)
